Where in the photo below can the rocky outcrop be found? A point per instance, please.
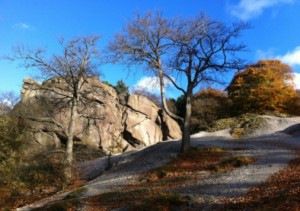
(107, 121)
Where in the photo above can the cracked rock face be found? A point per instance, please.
(113, 123)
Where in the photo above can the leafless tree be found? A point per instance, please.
(198, 49)
(74, 66)
(143, 41)
(203, 51)
(8, 99)
(153, 97)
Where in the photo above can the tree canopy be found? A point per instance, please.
(266, 86)
(121, 87)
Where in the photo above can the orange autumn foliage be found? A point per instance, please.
(263, 87)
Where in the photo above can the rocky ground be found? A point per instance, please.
(271, 149)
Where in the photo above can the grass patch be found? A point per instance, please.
(72, 201)
(54, 207)
(231, 163)
(76, 193)
(240, 125)
(186, 165)
(83, 153)
(159, 201)
(139, 199)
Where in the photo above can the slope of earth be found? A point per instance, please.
(271, 152)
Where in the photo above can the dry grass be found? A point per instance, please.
(39, 177)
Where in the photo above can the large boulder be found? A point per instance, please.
(107, 121)
(140, 129)
(30, 89)
(143, 105)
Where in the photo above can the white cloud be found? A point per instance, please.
(291, 58)
(150, 84)
(297, 80)
(248, 9)
(22, 26)
(265, 54)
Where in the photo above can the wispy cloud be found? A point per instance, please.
(150, 84)
(23, 26)
(291, 58)
(248, 9)
(265, 54)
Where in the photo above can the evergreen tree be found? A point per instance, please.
(121, 87)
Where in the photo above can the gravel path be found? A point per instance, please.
(271, 151)
(272, 154)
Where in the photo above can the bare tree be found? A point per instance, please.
(74, 66)
(143, 41)
(198, 49)
(155, 98)
(8, 99)
(203, 51)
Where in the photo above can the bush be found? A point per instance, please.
(9, 138)
(208, 106)
(22, 179)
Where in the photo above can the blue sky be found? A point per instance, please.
(39, 23)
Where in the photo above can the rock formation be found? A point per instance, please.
(108, 121)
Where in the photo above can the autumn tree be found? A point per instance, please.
(76, 63)
(266, 86)
(294, 107)
(208, 105)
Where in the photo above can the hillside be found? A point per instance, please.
(267, 151)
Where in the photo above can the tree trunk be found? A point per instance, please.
(70, 137)
(186, 142)
(69, 158)
(163, 97)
